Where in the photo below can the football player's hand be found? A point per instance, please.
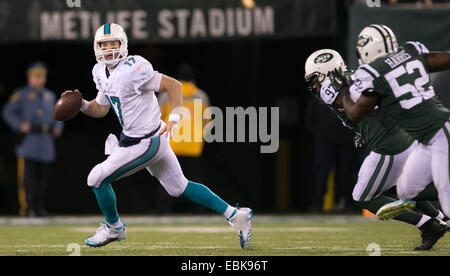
(70, 91)
(358, 141)
(339, 79)
(168, 128)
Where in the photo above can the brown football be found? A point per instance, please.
(67, 106)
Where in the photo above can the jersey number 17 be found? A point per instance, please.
(115, 104)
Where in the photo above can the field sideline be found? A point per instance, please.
(274, 235)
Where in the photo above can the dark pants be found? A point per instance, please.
(342, 159)
(36, 177)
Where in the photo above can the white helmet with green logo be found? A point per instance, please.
(320, 63)
(375, 41)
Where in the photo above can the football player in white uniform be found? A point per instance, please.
(127, 84)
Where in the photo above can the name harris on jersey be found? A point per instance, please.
(398, 58)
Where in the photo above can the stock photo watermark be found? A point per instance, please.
(373, 249)
(74, 248)
(234, 124)
(373, 3)
(73, 3)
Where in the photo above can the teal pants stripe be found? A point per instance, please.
(202, 195)
(106, 198)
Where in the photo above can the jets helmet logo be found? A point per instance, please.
(363, 40)
(322, 58)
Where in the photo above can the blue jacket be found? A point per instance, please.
(26, 104)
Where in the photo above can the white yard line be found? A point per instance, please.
(179, 219)
(214, 229)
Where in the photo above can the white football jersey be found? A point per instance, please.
(129, 90)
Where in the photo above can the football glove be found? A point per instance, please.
(310, 81)
(358, 141)
(341, 81)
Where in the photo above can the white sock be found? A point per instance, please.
(229, 212)
(424, 219)
(440, 215)
(117, 224)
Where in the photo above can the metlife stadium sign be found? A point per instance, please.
(169, 21)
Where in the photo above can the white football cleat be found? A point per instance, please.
(394, 209)
(105, 235)
(242, 222)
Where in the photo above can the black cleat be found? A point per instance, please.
(431, 232)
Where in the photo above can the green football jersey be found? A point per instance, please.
(402, 82)
(379, 132)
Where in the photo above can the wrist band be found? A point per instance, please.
(174, 118)
(84, 105)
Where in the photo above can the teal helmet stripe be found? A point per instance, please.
(382, 35)
(107, 29)
(390, 36)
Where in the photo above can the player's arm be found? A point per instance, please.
(356, 111)
(437, 61)
(94, 109)
(91, 108)
(360, 87)
(173, 89)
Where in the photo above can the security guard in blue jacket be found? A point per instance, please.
(29, 113)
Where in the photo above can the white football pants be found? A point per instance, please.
(380, 172)
(154, 154)
(425, 160)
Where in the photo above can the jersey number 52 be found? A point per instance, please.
(416, 89)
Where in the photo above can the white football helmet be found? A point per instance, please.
(110, 32)
(375, 41)
(319, 64)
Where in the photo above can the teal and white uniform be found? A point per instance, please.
(129, 90)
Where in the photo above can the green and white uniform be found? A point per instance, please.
(402, 82)
(389, 145)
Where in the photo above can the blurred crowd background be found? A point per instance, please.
(247, 53)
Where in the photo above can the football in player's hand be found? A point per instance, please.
(67, 106)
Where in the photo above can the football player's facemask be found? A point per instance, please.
(317, 67)
(375, 41)
(314, 83)
(110, 32)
